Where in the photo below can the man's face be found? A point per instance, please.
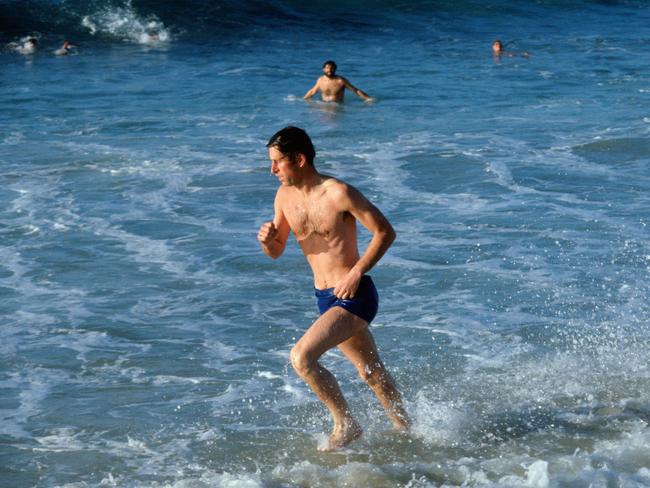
(329, 70)
(282, 167)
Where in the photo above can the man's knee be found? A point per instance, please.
(300, 361)
(373, 374)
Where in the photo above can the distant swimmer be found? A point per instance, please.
(332, 86)
(28, 46)
(322, 212)
(152, 37)
(498, 51)
(65, 49)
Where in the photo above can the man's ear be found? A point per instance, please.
(301, 159)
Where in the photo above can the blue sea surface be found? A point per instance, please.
(144, 336)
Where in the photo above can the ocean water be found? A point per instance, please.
(144, 337)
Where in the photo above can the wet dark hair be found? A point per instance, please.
(293, 141)
(330, 62)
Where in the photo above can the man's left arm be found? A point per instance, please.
(357, 91)
(383, 236)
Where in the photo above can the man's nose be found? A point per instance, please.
(274, 168)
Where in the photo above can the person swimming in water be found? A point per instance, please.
(332, 86)
(498, 51)
(28, 46)
(151, 37)
(65, 49)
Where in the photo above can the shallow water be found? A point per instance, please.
(145, 336)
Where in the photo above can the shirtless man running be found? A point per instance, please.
(322, 213)
(332, 87)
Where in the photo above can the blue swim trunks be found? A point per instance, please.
(364, 304)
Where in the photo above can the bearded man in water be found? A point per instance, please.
(322, 212)
(332, 86)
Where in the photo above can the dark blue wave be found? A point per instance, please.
(202, 19)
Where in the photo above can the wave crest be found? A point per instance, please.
(125, 24)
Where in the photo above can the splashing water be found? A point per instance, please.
(125, 24)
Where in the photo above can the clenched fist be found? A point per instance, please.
(267, 233)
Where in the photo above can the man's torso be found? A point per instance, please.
(332, 89)
(326, 233)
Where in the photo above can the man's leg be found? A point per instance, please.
(360, 349)
(331, 329)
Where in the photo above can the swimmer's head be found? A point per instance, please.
(497, 46)
(329, 68)
(28, 46)
(292, 141)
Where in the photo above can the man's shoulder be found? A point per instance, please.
(335, 188)
(283, 190)
(282, 194)
(329, 181)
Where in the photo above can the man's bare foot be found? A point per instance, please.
(342, 435)
(400, 420)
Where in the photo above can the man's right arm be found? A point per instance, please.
(273, 235)
(312, 91)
